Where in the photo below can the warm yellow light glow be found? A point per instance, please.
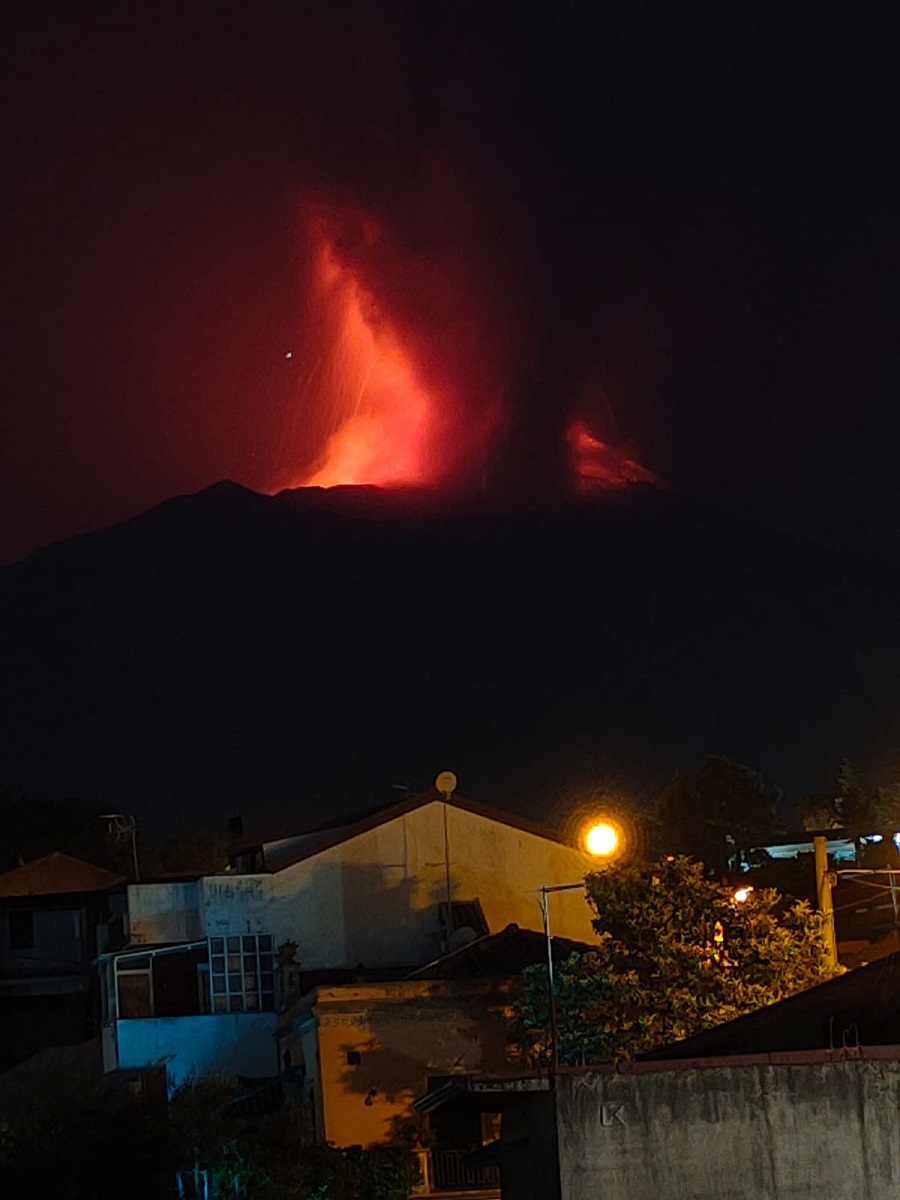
(602, 840)
(741, 895)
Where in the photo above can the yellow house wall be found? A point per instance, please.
(374, 898)
(401, 1039)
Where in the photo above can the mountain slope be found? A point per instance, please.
(288, 656)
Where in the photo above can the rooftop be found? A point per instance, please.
(286, 851)
(499, 955)
(56, 874)
(859, 1008)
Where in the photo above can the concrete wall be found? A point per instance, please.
(753, 1132)
(228, 1044)
(164, 912)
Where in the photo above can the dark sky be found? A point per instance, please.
(711, 234)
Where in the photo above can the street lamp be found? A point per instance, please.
(123, 825)
(601, 840)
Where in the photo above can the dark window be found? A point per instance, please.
(21, 931)
(354, 1058)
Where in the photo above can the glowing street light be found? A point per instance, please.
(602, 840)
(741, 895)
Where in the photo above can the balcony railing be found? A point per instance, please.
(451, 1172)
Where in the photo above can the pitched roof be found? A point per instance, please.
(860, 1008)
(56, 874)
(285, 852)
(499, 955)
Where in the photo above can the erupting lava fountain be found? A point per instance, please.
(383, 416)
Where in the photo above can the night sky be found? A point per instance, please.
(711, 237)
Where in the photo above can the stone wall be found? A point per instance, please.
(765, 1130)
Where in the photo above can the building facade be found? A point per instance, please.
(198, 986)
(57, 914)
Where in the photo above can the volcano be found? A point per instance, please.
(296, 655)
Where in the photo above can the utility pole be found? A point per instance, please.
(824, 898)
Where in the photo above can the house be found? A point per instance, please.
(57, 914)
(377, 898)
(361, 1053)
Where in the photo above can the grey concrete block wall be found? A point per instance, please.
(829, 1130)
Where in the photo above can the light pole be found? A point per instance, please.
(545, 909)
(121, 825)
(601, 840)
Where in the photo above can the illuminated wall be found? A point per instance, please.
(374, 898)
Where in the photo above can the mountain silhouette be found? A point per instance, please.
(294, 656)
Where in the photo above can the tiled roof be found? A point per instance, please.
(500, 955)
(56, 874)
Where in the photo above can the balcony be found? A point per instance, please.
(447, 1173)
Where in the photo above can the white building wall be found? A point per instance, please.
(164, 912)
(227, 1045)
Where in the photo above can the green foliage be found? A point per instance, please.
(698, 812)
(861, 804)
(676, 956)
(298, 1172)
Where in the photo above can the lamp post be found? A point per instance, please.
(545, 909)
(121, 825)
(601, 840)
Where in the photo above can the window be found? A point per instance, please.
(136, 988)
(21, 931)
(241, 973)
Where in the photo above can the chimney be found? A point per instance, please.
(235, 831)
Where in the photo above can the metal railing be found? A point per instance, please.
(451, 1172)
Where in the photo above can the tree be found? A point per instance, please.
(722, 799)
(677, 955)
(860, 803)
(50, 1145)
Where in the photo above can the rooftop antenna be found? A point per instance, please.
(445, 784)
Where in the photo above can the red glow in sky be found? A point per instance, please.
(380, 414)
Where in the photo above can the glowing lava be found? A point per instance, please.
(398, 387)
(383, 415)
(598, 465)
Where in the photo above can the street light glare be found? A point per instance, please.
(601, 840)
(742, 895)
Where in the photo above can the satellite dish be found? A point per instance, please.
(463, 937)
(446, 784)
